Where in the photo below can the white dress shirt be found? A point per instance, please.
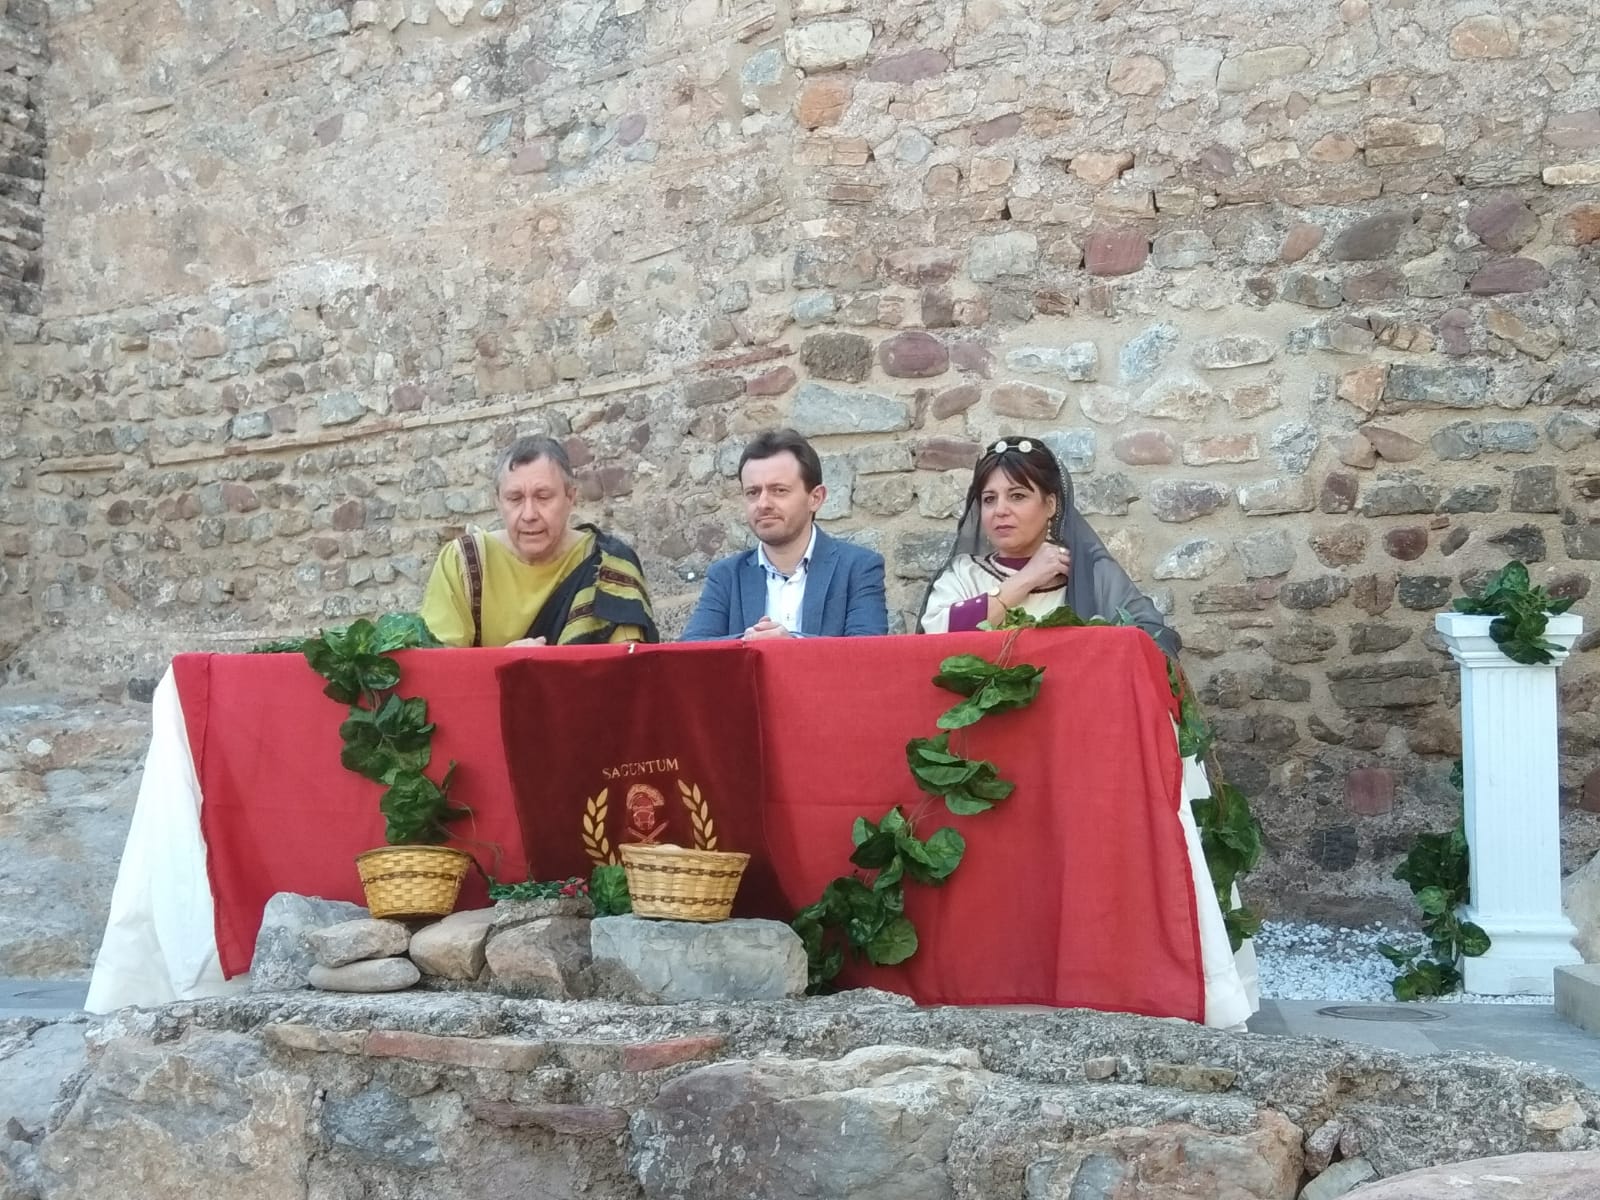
(786, 594)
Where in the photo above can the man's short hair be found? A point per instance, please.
(531, 449)
(777, 441)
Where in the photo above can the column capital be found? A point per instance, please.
(1467, 638)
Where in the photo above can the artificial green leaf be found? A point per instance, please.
(894, 943)
(968, 712)
(1060, 618)
(890, 875)
(942, 853)
(1405, 987)
(877, 851)
(608, 890)
(1399, 958)
(963, 673)
(861, 831)
(894, 821)
(966, 806)
(1433, 900)
(1474, 942)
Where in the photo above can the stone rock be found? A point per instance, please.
(1363, 387)
(1026, 402)
(1300, 241)
(1002, 255)
(1145, 353)
(1409, 386)
(839, 356)
(1242, 72)
(902, 1107)
(1341, 546)
(1402, 683)
(1471, 497)
(1182, 249)
(1580, 900)
(1576, 381)
(920, 555)
(1174, 1159)
(913, 355)
(1105, 495)
(1145, 448)
(340, 408)
(1487, 36)
(1525, 543)
(1311, 291)
(282, 960)
(908, 67)
(454, 947)
(1548, 1175)
(1376, 638)
(1585, 174)
(1180, 500)
(1223, 448)
(1579, 225)
(1136, 75)
(1333, 847)
(1115, 251)
(1424, 593)
(546, 958)
(1356, 451)
(1457, 441)
(1567, 430)
(1371, 238)
(1176, 398)
(1535, 490)
(1292, 446)
(1272, 497)
(1391, 444)
(1509, 275)
(671, 962)
(824, 45)
(1301, 642)
(1338, 1178)
(1078, 361)
(369, 975)
(823, 102)
(1193, 559)
(1314, 593)
(1406, 543)
(353, 941)
(1454, 540)
(946, 454)
(1074, 448)
(820, 410)
(1399, 494)
(1266, 554)
(1237, 350)
(1503, 223)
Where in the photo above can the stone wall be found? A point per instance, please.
(468, 1096)
(1304, 296)
(22, 65)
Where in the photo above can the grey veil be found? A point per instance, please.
(1097, 586)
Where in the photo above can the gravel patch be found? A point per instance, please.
(1299, 960)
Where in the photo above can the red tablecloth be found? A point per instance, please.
(1075, 891)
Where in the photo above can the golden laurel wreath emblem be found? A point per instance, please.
(597, 808)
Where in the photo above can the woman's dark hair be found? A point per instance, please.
(1027, 461)
(777, 441)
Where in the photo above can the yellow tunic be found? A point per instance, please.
(513, 592)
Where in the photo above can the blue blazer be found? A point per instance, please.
(844, 594)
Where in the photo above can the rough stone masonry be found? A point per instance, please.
(1304, 295)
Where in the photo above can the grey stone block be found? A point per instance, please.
(674, 961)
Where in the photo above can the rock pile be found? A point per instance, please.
(538, 949)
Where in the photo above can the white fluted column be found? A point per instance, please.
(1508, 750)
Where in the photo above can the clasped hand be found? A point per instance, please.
(1049, 567)
(765, 628)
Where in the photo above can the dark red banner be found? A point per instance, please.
(655, 747)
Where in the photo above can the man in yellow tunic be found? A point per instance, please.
(538, 580)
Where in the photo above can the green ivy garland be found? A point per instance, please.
(1520, 611)
(865, 911)
(387, 738)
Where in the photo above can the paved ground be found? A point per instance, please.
(1530, 1032)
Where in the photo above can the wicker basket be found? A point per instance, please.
(682, 885)
(403, 882)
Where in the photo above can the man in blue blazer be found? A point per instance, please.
(798, 581)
